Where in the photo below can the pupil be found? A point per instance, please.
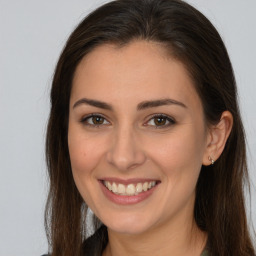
(160, 120)
(97, 120)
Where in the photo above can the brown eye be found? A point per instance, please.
(97, 120)
(94, 120)
(160, 121)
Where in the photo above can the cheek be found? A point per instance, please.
(179, 154)
(179, 157)
(84, 151)
(180, 146)
(85, 154)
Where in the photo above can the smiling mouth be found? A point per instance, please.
(129, 189)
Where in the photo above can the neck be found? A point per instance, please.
(180, 240)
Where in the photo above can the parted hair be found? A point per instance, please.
(189, 37)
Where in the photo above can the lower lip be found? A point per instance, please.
(127, 200)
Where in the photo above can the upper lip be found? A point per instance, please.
(128, 181)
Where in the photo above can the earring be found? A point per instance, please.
(211, 160)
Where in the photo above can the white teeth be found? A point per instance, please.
(114, 187)
(139, 188)
(121, 189)
(130, 189)
(109, 185)
(145, 186)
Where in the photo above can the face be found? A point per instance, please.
(136, 137)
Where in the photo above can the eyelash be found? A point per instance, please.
(171, 121)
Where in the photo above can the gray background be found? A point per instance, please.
(32, 36)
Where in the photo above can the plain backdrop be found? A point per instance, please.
(32, 34)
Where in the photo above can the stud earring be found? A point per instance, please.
(211, 160)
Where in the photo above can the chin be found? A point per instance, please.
(131, 225)
(128, 229)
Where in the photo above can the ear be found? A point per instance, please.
(217, 138)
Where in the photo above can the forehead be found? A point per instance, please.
(137, 71)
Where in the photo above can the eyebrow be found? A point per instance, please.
(140, 106)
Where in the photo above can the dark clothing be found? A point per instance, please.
(95, 244)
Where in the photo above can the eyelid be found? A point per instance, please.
(170, 119)
(84, 118)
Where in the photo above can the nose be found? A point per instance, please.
(125, 153)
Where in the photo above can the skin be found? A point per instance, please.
(129, 143)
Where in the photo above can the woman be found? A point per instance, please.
(145, 130)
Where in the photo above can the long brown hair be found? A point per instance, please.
(189, 37)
